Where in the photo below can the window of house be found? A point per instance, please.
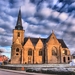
(40, 52)
(17, 54)
(68, 58)
(18, 34)
(54, 51)
(17, 50)
(65, 52)
(30, 52)
(64, 59)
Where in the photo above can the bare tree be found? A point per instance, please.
(1, 51)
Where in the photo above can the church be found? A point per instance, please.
(27, 50)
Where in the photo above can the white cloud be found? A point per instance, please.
(28, 8)
(46, 12)
(55, 14)
(51, 24)
(5, 50)
(44, 4)
(2, 31)
(73, 21)
(32, 35)
(33, 20)
(4, 3)
(25, 24)
(59, 4)
(63, 16)
(1, 22)
(55, 2)
(59, 33)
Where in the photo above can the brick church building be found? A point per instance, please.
(27, 50)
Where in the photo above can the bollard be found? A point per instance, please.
(22, 68)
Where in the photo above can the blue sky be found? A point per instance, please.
(39, 18)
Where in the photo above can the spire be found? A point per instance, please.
(19, 22)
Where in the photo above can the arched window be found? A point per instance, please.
(54, 51)
(18, 34)
(30, 52)
(68, 58)
(65, 52)
(17, 54)
(64, 59)
(40, 52)
(17, 50)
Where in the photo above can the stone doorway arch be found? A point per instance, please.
(64, 59)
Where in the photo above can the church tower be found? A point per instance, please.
(17, 42)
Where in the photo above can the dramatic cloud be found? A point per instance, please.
(28, 8)
(4, 50)
(39, 18)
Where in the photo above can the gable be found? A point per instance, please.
(39, 44)
(34, 40)
(17, 41)
(52, 40)
(28, 44)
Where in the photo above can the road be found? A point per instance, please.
(8, 72)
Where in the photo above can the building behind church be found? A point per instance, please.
(27, 50)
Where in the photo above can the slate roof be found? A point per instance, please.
(34, 40)
(62, 43)
(19, 22)
(44, 40)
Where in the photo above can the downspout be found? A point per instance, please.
(22, 56)
(60, 53)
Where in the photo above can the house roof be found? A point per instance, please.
(62, 43)
(44, 40)
(34, 40)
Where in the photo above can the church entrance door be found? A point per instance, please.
(29, 60)
(64, 59)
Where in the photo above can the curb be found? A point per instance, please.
(22, 72)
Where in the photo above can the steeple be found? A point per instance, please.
(19, 22)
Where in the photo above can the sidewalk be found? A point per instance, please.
(22, 72)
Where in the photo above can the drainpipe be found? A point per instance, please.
(60, 53)
(22, 56)
(33, 56)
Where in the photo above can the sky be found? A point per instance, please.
(39, 18)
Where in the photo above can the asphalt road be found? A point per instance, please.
(8, 72)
